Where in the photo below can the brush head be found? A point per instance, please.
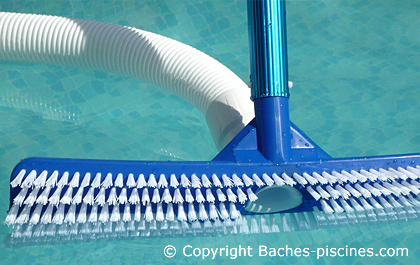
(50, 196)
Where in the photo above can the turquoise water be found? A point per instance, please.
(355, 66)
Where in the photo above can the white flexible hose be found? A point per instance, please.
(196, 77)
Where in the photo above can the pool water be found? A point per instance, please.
(355, 68)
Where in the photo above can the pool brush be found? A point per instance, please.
(270, 169)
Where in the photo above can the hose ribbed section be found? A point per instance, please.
(187, 72)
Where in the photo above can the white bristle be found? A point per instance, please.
(46, 217)
(398, 173)
(205, 181)
(170, 215)
(220, 195)
(320, 178)
(86, 180)
(413, 188)
(241, 196)
(251, 195)
(385, 203)
(375, 204)
(392, 188)
(310, 179)
(279, 181)
(372, 190)
(322, 192)
(115, 214)
(185, 182)
(131, 182)
(326, 208)
(337, 208)
(108, 227)
(213, 212)
(112, 197)
(264, 225)
(181, 213)
(231, 196)
(151, 182)
(289, 181)
(12, 215)
(227, 182)
(274, 227)
(404, 201)
(156, 196)
(415, 171)
(159, 213)
(257, 180)
(77, 198)
(415, 183)
(145, 199)
(382, 189)
(134, 197)
(352, 178)
(192, 215)
(247, 180)
(369, 175)
(269, 181)
(55, 198)
(41, 179)
(24, 215)
(255, 229)
(335, 194)
(378, 174)
(342, 178)
(178, 197)
(202, 213)
(243, 228)
(174, 181)
(359, 176)
(89, 197)
(122, 199)
(137, 213)
(68, 195)
(141, 181)
(223, 212)
(353, 192)
(233, 212)
(199, 196)
(363, 191)
(162, 183)
(389, 175)
(195, 181)
(313, 193)
(20, 198)
(82, 216)
(331, 179)
(188, 196)
(356, 206)
(166, 196)
(29, 180)
(209, 196)
(344, 193)
(36, 215)
(119, 181)
(196, 225)
(52, 180)
(75, 180)
(301, 180)
(365, 204)
(237, 181)
(59, 215)
(104, 214)
(394, 202)
(93, 215)
(96, 183)
(216, 181)
(404, 190)
(107, 183)
(346, 206)
(71, 215)
(18, 179)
